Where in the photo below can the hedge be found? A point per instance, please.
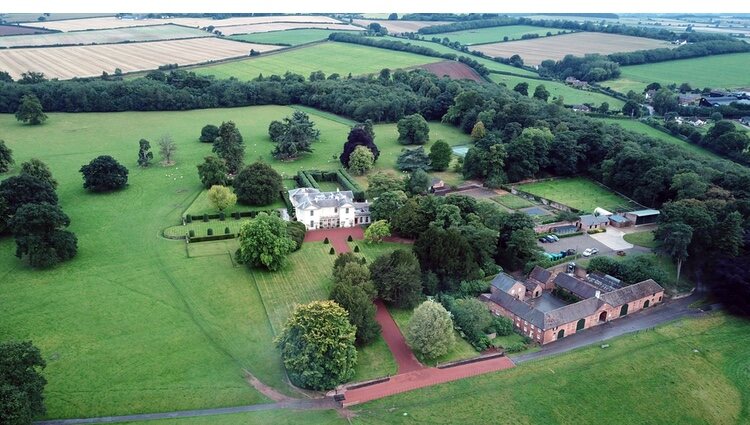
(211, 238)
(310, 178)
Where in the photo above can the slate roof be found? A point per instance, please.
(571, 312)
(617, 218)
(590, 220)
(575, 286)
(540, 274)
(643, 213)
(631, 293)
(503, 282)
(531, 285)
(519, 308)
(309, 198)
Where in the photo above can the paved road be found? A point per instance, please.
(644, 319)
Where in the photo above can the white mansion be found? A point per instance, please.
(325, 210)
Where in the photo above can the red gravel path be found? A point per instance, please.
(337, 237)
(395, 340)
(424, 378)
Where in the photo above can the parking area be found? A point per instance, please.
(579, 243)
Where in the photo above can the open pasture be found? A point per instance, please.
(34, 17)
(537, 50)
(331, 57)
(494, 34)
(291, 37)
(718, 71)
(87, 61)
(570, 95)
(579, 193)
(19, 30)
(283, 26)
(398, 26)
(152, 33)
(112, 22)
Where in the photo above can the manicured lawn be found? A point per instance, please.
(639, 127)
(644, 239)
(276, 417)
(494, 34)
(287, 37)
(570, 95)
(694, 371)
(386, 137)
(512, 201)
(461, 349)
(201, 205)
(330, 57)
(578, 192)
(718, 71)
(374, 360)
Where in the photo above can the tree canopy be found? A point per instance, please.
(21, 382)
(430, 330)
(229, 146)
(25, 189)
(30, 110)
(361, 134)
(221, 197)
(361, 160)
(213, 171)
(413, 130)
(257, 184)
(40, 235)
(296, 137)
(209, 133)
(6, 157)
(264, 242)
(397, 278)
(104, 174)
(440, 155)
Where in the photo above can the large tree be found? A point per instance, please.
(221, 197)
(397, 278)
(447, 254)
(430, 330)
(380, 182)
(209, 133)
(299, 133)
(353, 290)
(360, 135)
(377, 231)
(229, 146)
(317, 346)
(541, 93)
(213, 171)
(410, 220)
(37, 168)
(30, 110)
(418, 182)
(257, 184)
(6, 157)
(413, 130)
(145, 156)
(21, 383)
(361, 161)
(167, 148)
(386, 205)
(25, 189)
(413, 159)
(40, 235)
(675, 238)
(472, 316)
(103, 174)
(264, 242)
(440, 155)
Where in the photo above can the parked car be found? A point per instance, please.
(549, 238)
(554, 238)
(590, 251)
(543, 240)
(571, 251)
(621, 253)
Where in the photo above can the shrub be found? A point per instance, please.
(188, 218)
(326, 241)
(430, 330)
(209, 232)
(356, 248)
(350, 238)
(331, 251)
(205, 218)
(595, 231)
(222, 216)
(236, 215)
(227, 231)
(191, 233)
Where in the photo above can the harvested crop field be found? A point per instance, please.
(495, 34)
(537, 50)
(84, 61)
(112, 22)
(289, 37)
(399, 26)
(453, 69)
(120, 35)
(281, 26)
(19, 30)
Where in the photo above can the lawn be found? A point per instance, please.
(461, 349)
(570, 95)
(201, 205)
(693, 371)
(494, 34)
(329, 57)
(718, 71)
(640, 127)
(276, 417)
(644, 239)
(579, 193)
(288, 37)
(132, 324)
(512, 201)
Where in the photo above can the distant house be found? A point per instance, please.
(581, 108)
(642, 216)
(745, 120)
(710, 102)
(541, 276)
(437, 185)
(590, 221)
(507, 284)
(689, 99)
(575, 82)
(326, 210)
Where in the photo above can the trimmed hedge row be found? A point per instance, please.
(211, 238)
(346, 180)
(310, 178)
(221, 216)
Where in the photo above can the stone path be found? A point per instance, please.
(337, 237)
(392, 335)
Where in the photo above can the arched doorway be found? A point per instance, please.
(646, 304)
(561, 334)
(623, 310)
(603, 316)
(581, 323)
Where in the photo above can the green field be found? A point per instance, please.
(329, 57)
(494, 34)
(640, 127)
(719, 71)
(133, 324)
(644, 239)
(512, 201)
(694, 371)
(288, 37)
(579, 193)
(571, 96)
(276, 417)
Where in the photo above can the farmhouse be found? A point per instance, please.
(575, 82)
(544, 322)
(325, 210)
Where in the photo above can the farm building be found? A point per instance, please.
(745, 120)
(722, 101)
(325, 210)
(545, 319)
(590, 221)
(618, 220)
(642, 216)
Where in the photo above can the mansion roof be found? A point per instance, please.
(307, 198)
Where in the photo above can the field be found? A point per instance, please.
(34, 17)
(288, 37)
(453, 69)
(537, 50)
(639, 127)
(513, 202)
(19, 30)
(157, 32)
(694, 371)
(494, 34)
(570, 95)
(276, 417)
(330, 57)
(644, 239)
(579, 193)
(398, 26)
(719, 71)
(112, 22)
(282, 26)
(85, 61)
